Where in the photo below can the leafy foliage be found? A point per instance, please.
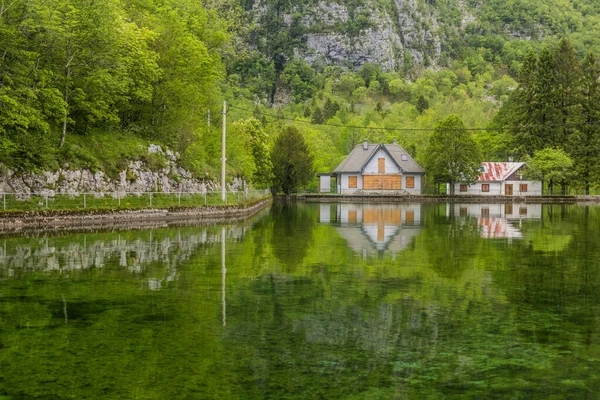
(292, 161)
(452, 155)
(550, 165)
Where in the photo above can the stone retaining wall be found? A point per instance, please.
(447, 199)
(81, 219)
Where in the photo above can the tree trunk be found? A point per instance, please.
(68, 73)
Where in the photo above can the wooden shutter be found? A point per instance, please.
(385, 216)
(352, 216)
(410, 182)
(381, 165)
(386, 182)
(352, 182)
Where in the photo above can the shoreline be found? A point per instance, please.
(79, 220)
(321, 198)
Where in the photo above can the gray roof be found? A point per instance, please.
(356, 160)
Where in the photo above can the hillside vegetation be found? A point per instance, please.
(79, 77)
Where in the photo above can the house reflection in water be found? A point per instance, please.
(498, 221)
(374, 228)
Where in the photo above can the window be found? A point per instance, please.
(485, 212)
(485, 187)
(352, 182)
(523, 187)
(410, 182)
(463, 188)
(381, 165)
(523, 211)
(463, 212)
(404, 157)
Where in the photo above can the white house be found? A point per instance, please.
(374, 229)
(377, 168)
(498, 220)
(500, 179)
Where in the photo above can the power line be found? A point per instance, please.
(414, 129)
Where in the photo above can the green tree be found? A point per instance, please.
(259, 147)
(549, 165)
(330, 108)
(522, 107)
(301, 79)
(585, 142)
(292, 161)
(568, 81)
(452, 154)
(422, 104)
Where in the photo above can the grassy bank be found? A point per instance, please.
(11, 203)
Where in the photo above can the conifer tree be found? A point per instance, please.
(585, 142)
(523, 111)
(292, 161)
(568, 76)
(546, 114)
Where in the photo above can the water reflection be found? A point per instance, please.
(498, 221)
(138, 252)
(287, 310)
(374, 228)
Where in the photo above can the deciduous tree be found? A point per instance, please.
(452, 154)
(550, 165)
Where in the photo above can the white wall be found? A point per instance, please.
(390, 164)
(497, 189)
(344, 183)
(417, 188)
(324, 183)
(509, 211)
(325, 213)
(345, 208)
(533, 189)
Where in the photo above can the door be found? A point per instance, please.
(385, 182)
(508, 189)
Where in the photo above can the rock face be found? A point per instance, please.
(137, 178)
(396, 34)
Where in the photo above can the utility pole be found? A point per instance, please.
(223, 278)
(223, 159)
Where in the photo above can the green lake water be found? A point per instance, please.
(310, 301)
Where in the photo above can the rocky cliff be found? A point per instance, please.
(396, 34)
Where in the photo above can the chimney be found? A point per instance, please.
(365, 144)
(394, 141)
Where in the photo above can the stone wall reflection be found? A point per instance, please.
(134, 252)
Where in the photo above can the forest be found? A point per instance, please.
(87, 84)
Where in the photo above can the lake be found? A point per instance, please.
(310, 301)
